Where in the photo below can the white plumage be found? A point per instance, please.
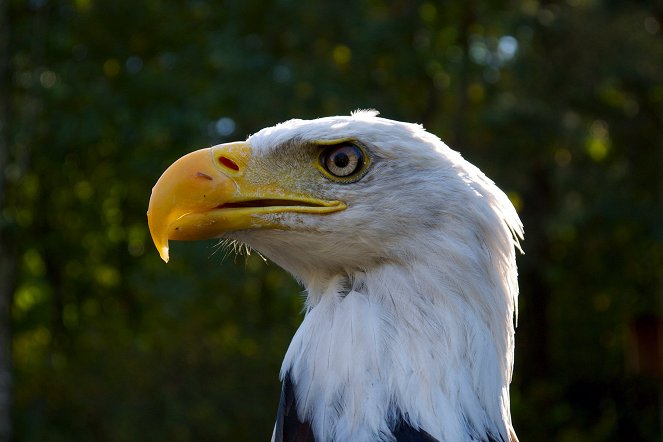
(411, 290)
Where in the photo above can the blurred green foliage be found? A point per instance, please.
(561, 103)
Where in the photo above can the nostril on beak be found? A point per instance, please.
(204, 175)
(228, 163)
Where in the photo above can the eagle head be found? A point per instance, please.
(403, 246)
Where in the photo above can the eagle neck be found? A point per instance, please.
(397, 341)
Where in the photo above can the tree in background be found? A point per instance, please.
(7, 251)
(560, 102)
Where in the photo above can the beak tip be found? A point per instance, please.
(163, 253)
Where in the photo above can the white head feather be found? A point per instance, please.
(411, 291)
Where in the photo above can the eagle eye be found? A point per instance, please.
(342, 160)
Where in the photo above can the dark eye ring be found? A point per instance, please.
(342, 160)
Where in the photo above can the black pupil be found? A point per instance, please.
(341, 159)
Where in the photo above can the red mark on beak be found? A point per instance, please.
(230, 164)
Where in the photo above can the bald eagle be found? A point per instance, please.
(407, 254)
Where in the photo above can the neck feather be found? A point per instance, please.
(430, 343)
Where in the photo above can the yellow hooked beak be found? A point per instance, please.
(206, 193)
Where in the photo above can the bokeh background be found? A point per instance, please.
(560, 102)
